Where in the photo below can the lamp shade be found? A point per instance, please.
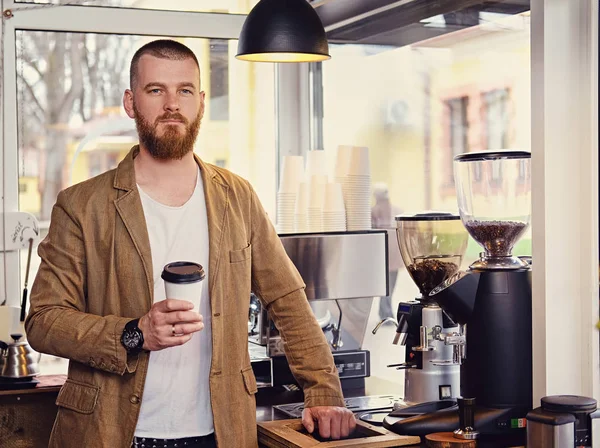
(283, 31)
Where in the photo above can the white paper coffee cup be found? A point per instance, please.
(184, 281)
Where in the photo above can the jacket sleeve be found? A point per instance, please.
(57, 322)
(276, 281)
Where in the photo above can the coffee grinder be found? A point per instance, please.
(492, 303)
(432, 246)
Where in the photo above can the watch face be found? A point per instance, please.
(131, 339)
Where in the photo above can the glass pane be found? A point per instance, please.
(219, 79)
(416, 106)
(72, 125)
(219, 6)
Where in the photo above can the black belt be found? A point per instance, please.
(189, 442)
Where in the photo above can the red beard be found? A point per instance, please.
(172, 144)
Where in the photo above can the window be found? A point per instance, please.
(458, 131)
(496, 118)
(22, 188)
(460, 91)
(218, 106)
(79, 127)
(496, 103)
(416, 102)
(29, 161)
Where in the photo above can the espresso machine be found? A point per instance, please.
(343, 272)
(432, 246)
(491, 302)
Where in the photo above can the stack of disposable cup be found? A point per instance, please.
(316, 198)
(316, 174)
(334, 212)
(301, 212)
(357, 189)
(342, 159)
(292, 174)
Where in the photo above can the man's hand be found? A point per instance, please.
(333, 421)
(169, 323)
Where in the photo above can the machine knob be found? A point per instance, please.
(466, 416)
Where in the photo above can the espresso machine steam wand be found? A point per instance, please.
(336, 330)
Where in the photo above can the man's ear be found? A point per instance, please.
(202, 104)
(128, 103)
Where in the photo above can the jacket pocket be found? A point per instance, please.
(79, 397)
(236, 256)
(249, 380)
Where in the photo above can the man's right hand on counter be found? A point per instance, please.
(169, 323)
(332, 421)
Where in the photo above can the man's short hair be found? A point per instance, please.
(164, 49)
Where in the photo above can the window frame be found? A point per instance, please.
(212, 112)
(564, 176)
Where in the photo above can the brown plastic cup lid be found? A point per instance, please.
(182, 272)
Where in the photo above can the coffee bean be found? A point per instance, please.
(497, 237)
(430, 272)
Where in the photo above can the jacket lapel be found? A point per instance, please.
(129, 207)
(217, 204)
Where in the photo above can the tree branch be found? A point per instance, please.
(41, 41)
(32, 93)
(66, 105)
(86, 63)
(35, 113)
(54, 78)
(32, 64)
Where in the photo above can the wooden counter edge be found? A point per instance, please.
(47, 383)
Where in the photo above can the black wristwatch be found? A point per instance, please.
(132, 337)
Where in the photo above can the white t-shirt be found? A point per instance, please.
(176, 399)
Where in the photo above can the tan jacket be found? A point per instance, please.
(96, 275)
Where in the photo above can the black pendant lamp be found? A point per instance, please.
(283, 31)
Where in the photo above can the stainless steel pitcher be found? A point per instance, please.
(3, 352)
(20, 361)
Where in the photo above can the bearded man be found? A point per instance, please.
(147, 370)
